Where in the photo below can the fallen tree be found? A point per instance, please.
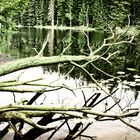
(23, 113)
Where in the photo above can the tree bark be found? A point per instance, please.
(38, 61)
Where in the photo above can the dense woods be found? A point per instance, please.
(92, 13)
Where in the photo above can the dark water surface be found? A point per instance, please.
(21, 43)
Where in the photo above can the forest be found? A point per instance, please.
(69, 69)
(91, 13)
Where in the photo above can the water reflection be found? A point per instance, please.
(74, 89)
(74, 94)
(25, 40)
(69, 89)
(28, 42)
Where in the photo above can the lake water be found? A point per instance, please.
(76, 87)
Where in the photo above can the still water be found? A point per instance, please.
(28, 42)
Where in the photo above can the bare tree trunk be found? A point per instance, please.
(51, 11)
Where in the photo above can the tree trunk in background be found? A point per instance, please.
(51, 12)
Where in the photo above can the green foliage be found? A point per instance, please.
(9, 9)
(119, 11)
(61, 11)
(93, 13)
(82, 14)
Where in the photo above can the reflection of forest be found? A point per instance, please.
(28, 41)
